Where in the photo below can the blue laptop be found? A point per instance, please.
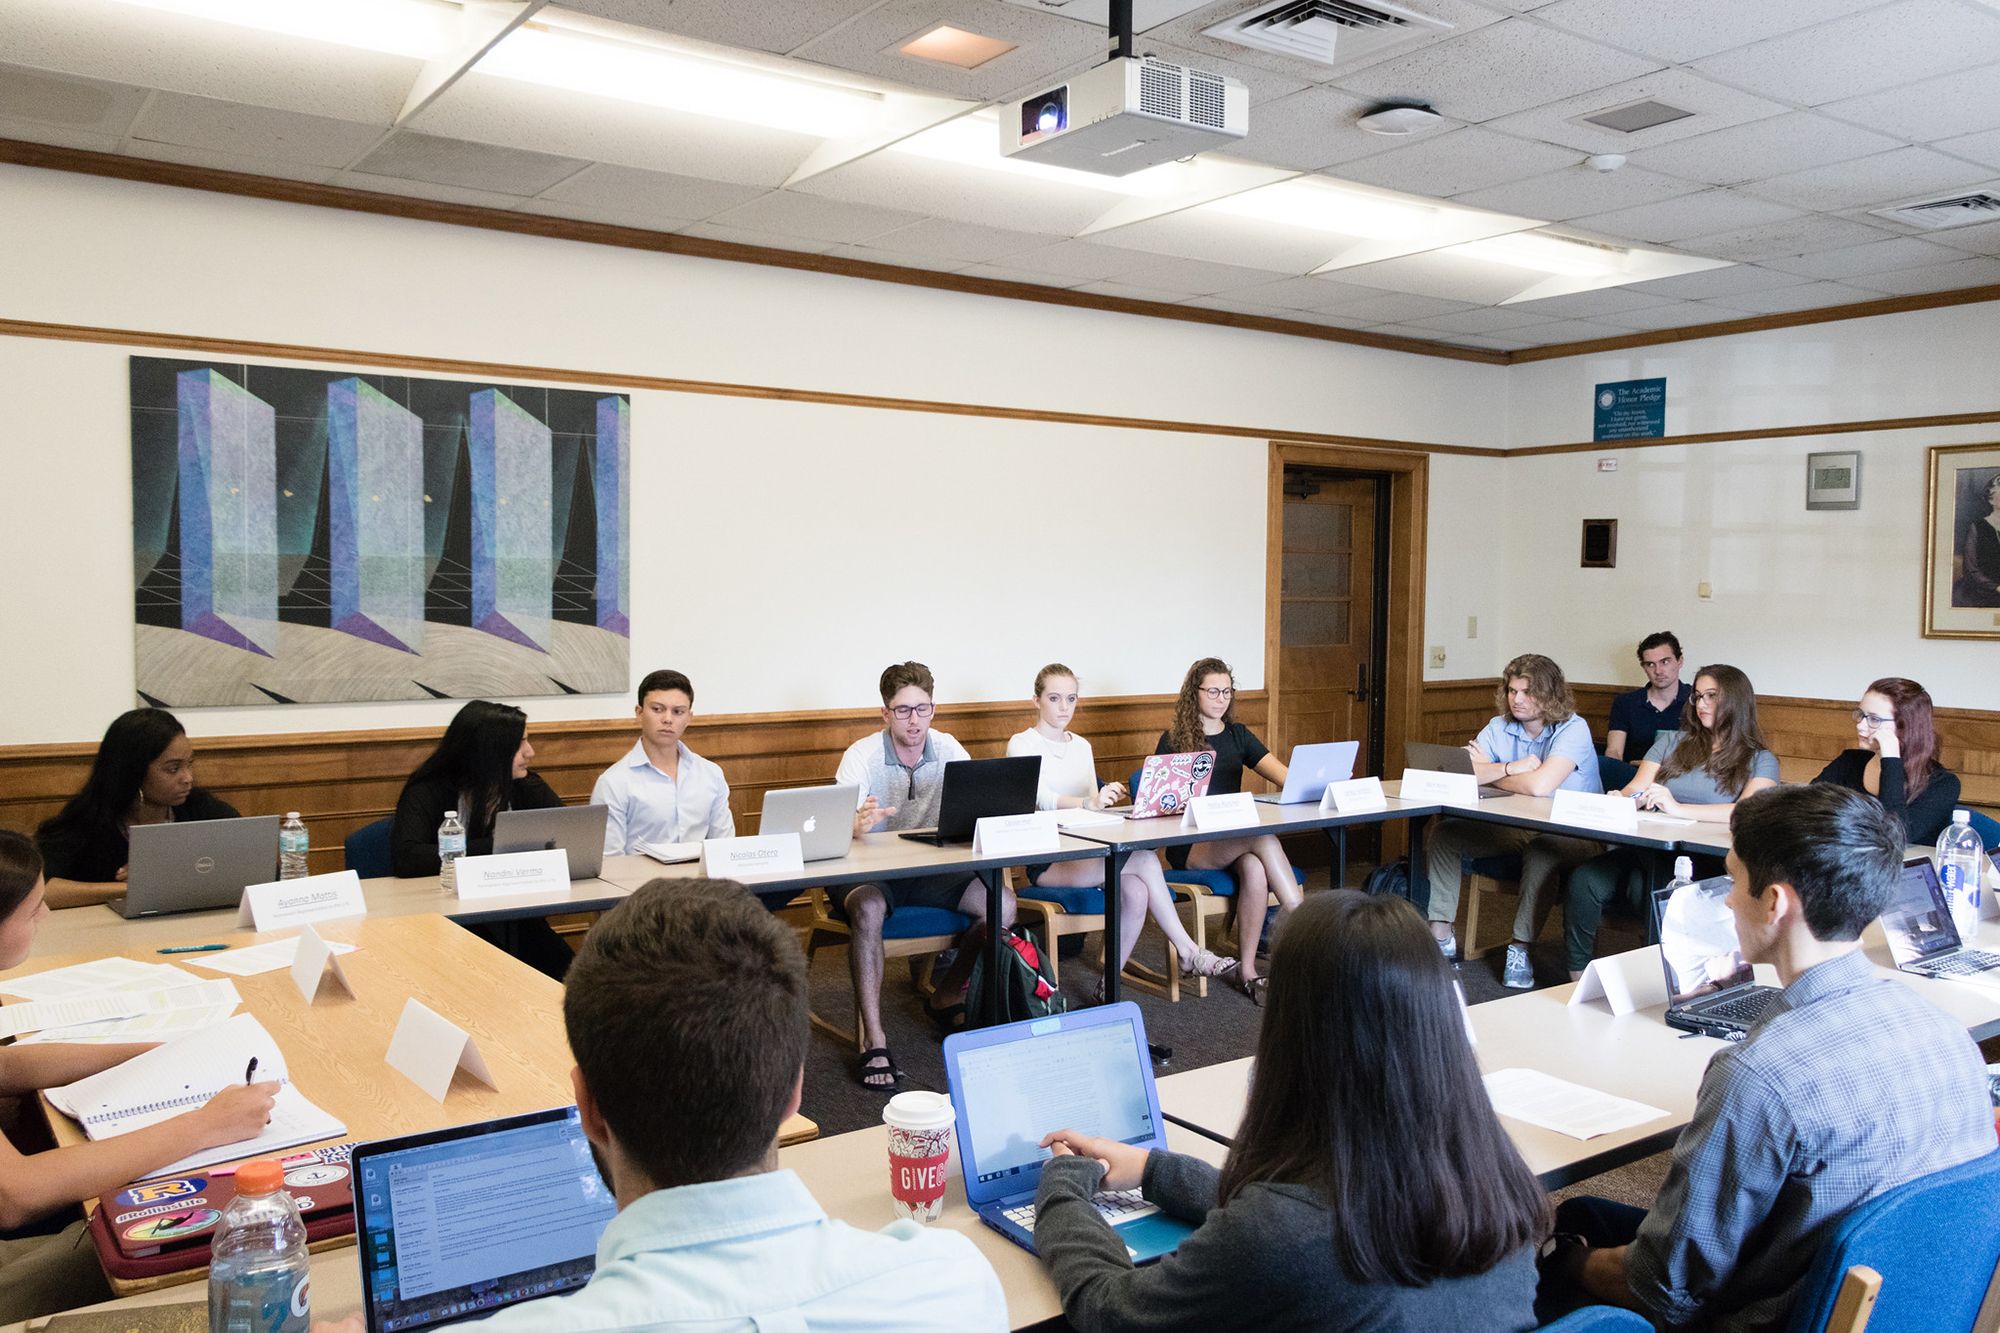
(1014, 1085)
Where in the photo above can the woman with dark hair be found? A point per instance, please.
(1896, 760)
(1205, 719)
(45, 1273)
(143, 773)
(1979, 556)
(1316, 1221)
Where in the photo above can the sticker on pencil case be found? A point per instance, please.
(160, 1191)
(174, 1226)
(307, 1176)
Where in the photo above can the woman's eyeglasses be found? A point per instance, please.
(1219, 691)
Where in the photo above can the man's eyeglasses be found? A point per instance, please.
(1871, 719)
(1219, 691)
(904, 712)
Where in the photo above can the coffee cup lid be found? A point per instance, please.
(918, 1110)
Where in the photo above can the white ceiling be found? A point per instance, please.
(1807, 114)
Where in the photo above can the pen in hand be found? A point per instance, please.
(250, 1070)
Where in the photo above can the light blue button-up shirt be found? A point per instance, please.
(648, 807)
(757, 1253)
(1504, 740)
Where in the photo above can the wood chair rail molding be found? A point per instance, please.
(342, 780)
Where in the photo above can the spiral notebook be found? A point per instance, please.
(183, 1074)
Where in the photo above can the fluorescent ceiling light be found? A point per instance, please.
(955, 46)
(419, 29)
(1322, 205)
(1544, 253)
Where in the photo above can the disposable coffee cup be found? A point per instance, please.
(920, 1127)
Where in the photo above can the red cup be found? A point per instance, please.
(920, 1129)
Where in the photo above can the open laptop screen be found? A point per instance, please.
(1698, 940)
(1092, 1078)
(1917, 923)
(437, 1243)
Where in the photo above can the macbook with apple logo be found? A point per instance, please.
(823, 817)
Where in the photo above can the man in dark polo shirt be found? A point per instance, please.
(1644, 713)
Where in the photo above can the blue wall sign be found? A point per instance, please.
(1630, 410)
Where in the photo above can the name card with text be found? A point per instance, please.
(1354, 797)
(293, 902)
(766, 857)
(1612, 814)
(510, 873)
(313, 961)
(1206, 814)
(1016, 835)
(428, 1049)
(1427, 784)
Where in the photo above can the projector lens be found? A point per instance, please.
(1046, 114)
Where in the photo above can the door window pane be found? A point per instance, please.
(1310, 575)
(1307, 624)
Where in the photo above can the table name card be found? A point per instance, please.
(1626, 982)
(1426, 784)
(428, 1049)
(313, 961)
(293, 902)
(769, 856)
(510, 873)
(1610, 814)
(1016, 835)
(1354, 797)
(1207, 814)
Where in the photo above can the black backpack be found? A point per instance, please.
(1392, 877)
(1026, 988)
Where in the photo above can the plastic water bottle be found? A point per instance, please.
(292, 847)
(259, 1274)
(451, 846)
(1683, 872)
(1959, 858)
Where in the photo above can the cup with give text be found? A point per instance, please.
(920, 1125)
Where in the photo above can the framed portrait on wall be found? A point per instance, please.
(1962, 543)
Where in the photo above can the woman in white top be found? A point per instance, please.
(1069, 782)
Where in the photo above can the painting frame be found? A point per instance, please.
(1962, 491)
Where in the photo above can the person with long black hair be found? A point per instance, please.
(143, 773)
(1315, 1221)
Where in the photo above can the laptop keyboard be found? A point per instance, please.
(1969, 963)
(1114, 1206)
(1744, 1009)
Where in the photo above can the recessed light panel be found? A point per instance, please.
(1636, 116)
(955, 46)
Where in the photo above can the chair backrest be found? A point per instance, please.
(1600, 1319)
(368, 850)
(1934, 1240)
(1988, 829)
(1615, 773)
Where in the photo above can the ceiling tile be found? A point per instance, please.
(1883, 256)
(1310, 130)
(80, 106)
(896, 258)
(230, 127)
(1444, 276)
(1084, 261)
(1721, 283)
(1774, 240)
(1391, 307)
(632, 193)
(1220, 239)
(1127, 292)
(1700, 214)
(1494, 319)
(964, 242)
(1864, 53)
(1981, 239)
(641, 219)
(1983, 148)
(1494, 71)
(1689, 29)
(780, 28)
(794, 214)
(769, 240)
(1045, 45)
(61, 136)
(1315, 294)
(1714, 105)
(1869, 182)
(1231, 304)
(1934, 109)
(1492, 342)
(1002, 273)
(1594, 304)
(1673, 315)
(1195, 277)
(217, 160)
(417, 189)
(1454, 162)
(1571, 331)
(1809, 296)
(1982, 271)
(1576, 190)
(1762, 148)
(1332, 321)
(1186, 32)
(408, 155)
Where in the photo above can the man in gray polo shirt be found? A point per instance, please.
(900, 771)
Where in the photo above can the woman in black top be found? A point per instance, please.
(1896, 760)
(479, 769)
(1205, 719)
(143, 774)
(1979, 557)
(1370, 1185)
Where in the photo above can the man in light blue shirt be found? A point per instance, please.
(662, 792)
(1538, 745)
(686, 1012)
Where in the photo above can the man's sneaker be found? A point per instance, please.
(1448, 946)
(1520, 972)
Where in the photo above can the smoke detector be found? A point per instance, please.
(1400, 118)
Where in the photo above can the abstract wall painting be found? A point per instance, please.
(313, 536)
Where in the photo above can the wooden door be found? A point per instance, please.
(1327, 673)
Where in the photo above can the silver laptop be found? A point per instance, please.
(823, 817)
(1711, 987)
(577, 829)
(1924, 939)
(1447, 759)
(196, 866)
(1313, 769)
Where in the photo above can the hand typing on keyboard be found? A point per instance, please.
(1124, 1165)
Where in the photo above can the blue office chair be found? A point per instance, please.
(1988, 829)
(368, 850)
(1934, 1243)
(1615, 773)
(1601, 1319)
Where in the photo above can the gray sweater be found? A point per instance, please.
(1265, 1261)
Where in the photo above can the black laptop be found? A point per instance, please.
(1447, 759)
(1711, 988)
(976, 789)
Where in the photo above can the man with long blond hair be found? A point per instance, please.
(1537, 745)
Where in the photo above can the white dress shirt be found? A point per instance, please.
(648, 807)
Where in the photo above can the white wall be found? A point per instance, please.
(781, 552)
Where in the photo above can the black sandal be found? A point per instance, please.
(1252, 987)
(866, 1068)
(946, 1018)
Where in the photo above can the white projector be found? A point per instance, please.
(1126, 115)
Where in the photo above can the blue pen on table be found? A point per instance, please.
(193, 948)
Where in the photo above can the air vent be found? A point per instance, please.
(1327, 32)
(1636, 116)
(1160, 86)
(1945, 211)
(1208, 100)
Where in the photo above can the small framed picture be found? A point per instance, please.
(1962, 543)
(1600, 543)
(1833, 481)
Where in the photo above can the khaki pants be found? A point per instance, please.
(1545, 857)
(47, 1274)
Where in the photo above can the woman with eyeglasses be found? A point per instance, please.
(1896, 758)
(1716, 758)
(1205, 719)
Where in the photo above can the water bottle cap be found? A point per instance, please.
(291, 814)
(1683, 867)
(259, 1177)
(1961, 816)
(451, 814)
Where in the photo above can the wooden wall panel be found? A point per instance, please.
(342, 780)
(1805, 733)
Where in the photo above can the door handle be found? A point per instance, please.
(1360, 690)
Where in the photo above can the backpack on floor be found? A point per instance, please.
(1391, 877)
(1026, 988)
